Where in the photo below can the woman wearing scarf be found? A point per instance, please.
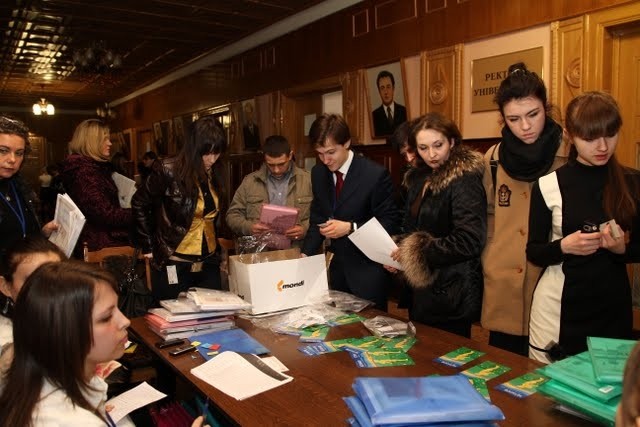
(531, 147)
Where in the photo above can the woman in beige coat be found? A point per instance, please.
(531, 147)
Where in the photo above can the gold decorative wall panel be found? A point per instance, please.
(441, 82)
(566, 61)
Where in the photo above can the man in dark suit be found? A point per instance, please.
(348, 191)
(388, 116)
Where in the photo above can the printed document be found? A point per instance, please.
(126, 189)
(70, 222)
(240, 375)
(131, 400)
(374, 241)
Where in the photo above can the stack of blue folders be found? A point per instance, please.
(419, 401)
(590, 382)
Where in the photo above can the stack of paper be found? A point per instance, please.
(126, 189)
(157, 320)
(211, 299)
(70, 223)
(200, 312)
(425, 401)
(240, 375)
(590, 382)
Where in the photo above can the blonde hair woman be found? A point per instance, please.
(86, 176)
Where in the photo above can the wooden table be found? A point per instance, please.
(314, 397)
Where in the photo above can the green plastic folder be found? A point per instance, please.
(604, 412)
(608, 357)
(577, 372)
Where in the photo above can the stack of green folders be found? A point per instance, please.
(419, 401)
(590, 382)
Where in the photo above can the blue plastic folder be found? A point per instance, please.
(229, 340)
(361, 418)
(423, 400)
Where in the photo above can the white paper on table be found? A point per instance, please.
(275, 363)
(133, 399)
(374, 241)
(237, 377)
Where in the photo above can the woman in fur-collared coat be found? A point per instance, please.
(446, 223)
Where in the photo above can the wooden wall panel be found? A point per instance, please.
(566, 61)
(392, 12)
(441, 82)
(354, 106)
(356, 38)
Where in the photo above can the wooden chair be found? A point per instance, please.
(97, 257)
(228, 249)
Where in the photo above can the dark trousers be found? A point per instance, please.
(209, 277)
(458, 327)
(374, 289)
(514, 343)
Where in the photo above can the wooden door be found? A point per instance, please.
(626, 90)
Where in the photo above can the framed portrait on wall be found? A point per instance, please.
(250, 130)
(157, 130)
(159, 139)
(167, 135)
(386, 98)
(178, 132)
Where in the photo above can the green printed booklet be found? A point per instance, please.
(459, 357)
(481, 386)
(380, 358)
(364, 344)
(398, 343)
(524, 385)
(346, 319)
(314, 333)
(608, 357)
(486, 370)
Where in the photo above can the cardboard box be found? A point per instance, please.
(278, 280)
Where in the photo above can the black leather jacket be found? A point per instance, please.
(163, 212)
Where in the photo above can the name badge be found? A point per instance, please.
(172, 274)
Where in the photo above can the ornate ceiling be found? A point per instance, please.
(68, 50)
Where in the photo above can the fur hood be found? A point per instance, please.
(411, 249)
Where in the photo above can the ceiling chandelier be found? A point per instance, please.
(105, 112)
(43, 107)
(96, 58)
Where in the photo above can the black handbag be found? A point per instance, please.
(134, 298)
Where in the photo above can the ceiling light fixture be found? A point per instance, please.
(96, 59)
(43, 107)
(105, 112)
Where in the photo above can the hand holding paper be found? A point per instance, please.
(374, 241)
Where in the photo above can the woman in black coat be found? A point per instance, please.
(446, 223)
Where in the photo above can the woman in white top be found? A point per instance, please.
(61, 333)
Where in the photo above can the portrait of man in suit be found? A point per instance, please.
(390, 114)
(250, 130)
